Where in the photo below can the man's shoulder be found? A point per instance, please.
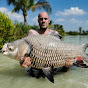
(54, 32)
(32, 32)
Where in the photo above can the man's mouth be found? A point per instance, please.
(43, 24)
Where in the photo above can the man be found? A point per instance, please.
(43, 20)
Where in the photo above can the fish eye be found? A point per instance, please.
(11, 49)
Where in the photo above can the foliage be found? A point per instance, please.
(21, 30)
(72, 33)
(34, 27)
(6, 29)
(58, 28)
(80, 30)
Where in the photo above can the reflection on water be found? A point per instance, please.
(12, 75)
(75, 39)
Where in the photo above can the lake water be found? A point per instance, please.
(12, 75)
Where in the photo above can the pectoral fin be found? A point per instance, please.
(48, 73)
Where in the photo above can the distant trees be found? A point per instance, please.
(57, 27)
(72, 33)
(79, 32)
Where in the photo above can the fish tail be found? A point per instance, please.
(80, 63)
(85, 55)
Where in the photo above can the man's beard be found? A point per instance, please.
(43, 29)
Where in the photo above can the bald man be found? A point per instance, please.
(43, 20)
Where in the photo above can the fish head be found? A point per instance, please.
(16, 49)
(9, 49)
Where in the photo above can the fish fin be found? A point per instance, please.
(48, 71)
(85, 58)
(64, 69)
(84, 54)
(80, 63)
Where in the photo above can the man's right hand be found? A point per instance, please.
(26, 63)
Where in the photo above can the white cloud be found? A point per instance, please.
(60, 20)
(73, 20)
(71, 11)
(2, 9)
(13, 16)
(35, 20)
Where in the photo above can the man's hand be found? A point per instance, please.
(68, 63)
(27, 62)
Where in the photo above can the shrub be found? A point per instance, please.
(6, 29)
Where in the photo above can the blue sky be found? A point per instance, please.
(72, 14)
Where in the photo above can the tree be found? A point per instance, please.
(51, 22)
(80, 30)
(26, 5)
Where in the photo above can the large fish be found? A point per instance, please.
(46, 52)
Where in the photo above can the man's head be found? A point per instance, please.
(43, 20)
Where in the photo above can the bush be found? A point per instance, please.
(6, 29)
(21, 30)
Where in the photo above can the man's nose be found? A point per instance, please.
(43, 20)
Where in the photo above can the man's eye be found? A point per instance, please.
(45, 18)
(41, 18)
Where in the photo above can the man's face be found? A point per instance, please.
(43, 20)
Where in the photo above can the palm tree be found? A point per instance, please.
(80, 30)
(26, 5)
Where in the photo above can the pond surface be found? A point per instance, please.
(12, 75)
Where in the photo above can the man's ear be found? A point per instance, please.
(38, 20)
(49, 21)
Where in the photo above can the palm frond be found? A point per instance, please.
(42, 5)
(16, 9)
(11, 2)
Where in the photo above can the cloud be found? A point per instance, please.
(60, 20)
(71, 11)
(73, 20)
(35, 20)
(2, 9)
(13, 16)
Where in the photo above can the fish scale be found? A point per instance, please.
(49, 51)
(46, 50)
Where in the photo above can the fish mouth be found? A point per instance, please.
(4, 52)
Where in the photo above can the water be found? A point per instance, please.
(12, 75)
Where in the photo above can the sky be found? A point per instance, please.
(72, 14)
